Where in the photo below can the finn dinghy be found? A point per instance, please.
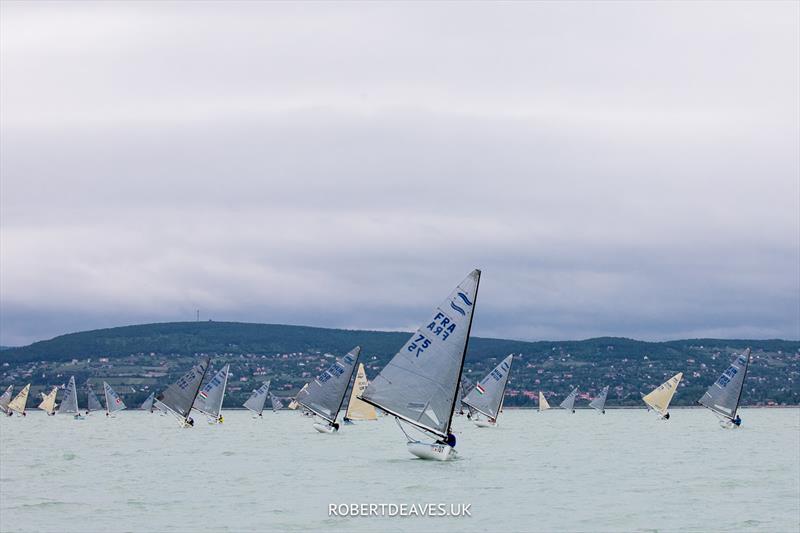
(147, 405)
(543, 405)
(419, 385)
(569, 401)
(486, 398)
(209, 399)
(18, 404)
(658, 400)
(92, 402)
(599, 403)
(358, 409)
(69, 403)
(724, 395)
(5, 399)
(48, 404)
(276, 402)
(179, 397)
(113, 402)
(255, 403)
(325, 395)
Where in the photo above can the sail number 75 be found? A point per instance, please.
(419, 345)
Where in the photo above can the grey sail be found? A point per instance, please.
(599, 403)
(277, 404)
(324, 395)
(147, 405)
(161, 407)
(487, 396)
(113, 402)
(93, 403)
(724, 395)
(420, 383)
(5, 399)
(209, 399)
(69, 403)
(569, 401)
(256, 400)
(180, 396)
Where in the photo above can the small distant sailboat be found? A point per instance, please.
(724, 395)
(255, 403)
(69, 403)
(147, 405)
(48, 404)
(5, 399)
(277, 404)
(92, 402)
(18, 404)
(113, 402)
(599, 403)
(487, 396)
(358, 409)
(543, 405)
(569, 401)
(179, 397)
(209, 400)
(420, 384)
(658, 400)
(325, 395)
(162, 409)
(294, 404)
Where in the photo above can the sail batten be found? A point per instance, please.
(724, 395)
(325, 395)
(487, 396)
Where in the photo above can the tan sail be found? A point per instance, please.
(543, 405)
(357, 409)
(294, 403)
(48, 404)
(18, 404)
(659, 399)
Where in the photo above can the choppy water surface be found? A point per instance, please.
(536, 472)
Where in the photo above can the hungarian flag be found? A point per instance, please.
(480, 389)
(204, 394)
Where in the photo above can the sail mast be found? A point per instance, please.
(744, 378)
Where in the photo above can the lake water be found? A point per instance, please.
(625, 470)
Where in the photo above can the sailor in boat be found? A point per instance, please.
(190, 420)
(347, 421)
(666, 416)
(220, 420)
(737, 421)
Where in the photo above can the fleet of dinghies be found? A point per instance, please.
(422, 387)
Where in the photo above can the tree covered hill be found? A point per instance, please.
(146, 357)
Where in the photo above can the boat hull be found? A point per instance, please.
(324, 428)
(484, 423)
(432, 451)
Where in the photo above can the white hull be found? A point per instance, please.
(485, 424)
(435, 452)
(324, 428)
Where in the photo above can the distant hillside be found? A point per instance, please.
(149, 355)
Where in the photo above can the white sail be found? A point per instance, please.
(358, 409)
(5, 399)
(420, 383)
(113, 402)
(161, 407)
(599, 403)
(69, 403)
(724, 395)
(147, 405)
(325, 395)
(18, 404)
(92, 401)
(658, 400)
(569, 401)
(209, 399)
(48, 404)
(256, 400)
(276, 402)
(487, 395)
(543, 405)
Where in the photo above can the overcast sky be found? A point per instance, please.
(627, 169)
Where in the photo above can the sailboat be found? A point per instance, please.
(255, 402)
(724, 395)
(93, 404)
(162, 409)
(463, 387)
(147, 405)
(294, 403)
(325, 395)
(179, 397)
(209, 400)
(357, 409)
(599, 403)
(69, 403)
(543, 405)
(18, 404)
(113, 402)
(658, 400)
(5, 399)
(48, 404)
(419, 385)
(569, 401)
(487, 396)
(277, 404)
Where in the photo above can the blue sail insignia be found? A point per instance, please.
(464, 297)
(457, 308)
